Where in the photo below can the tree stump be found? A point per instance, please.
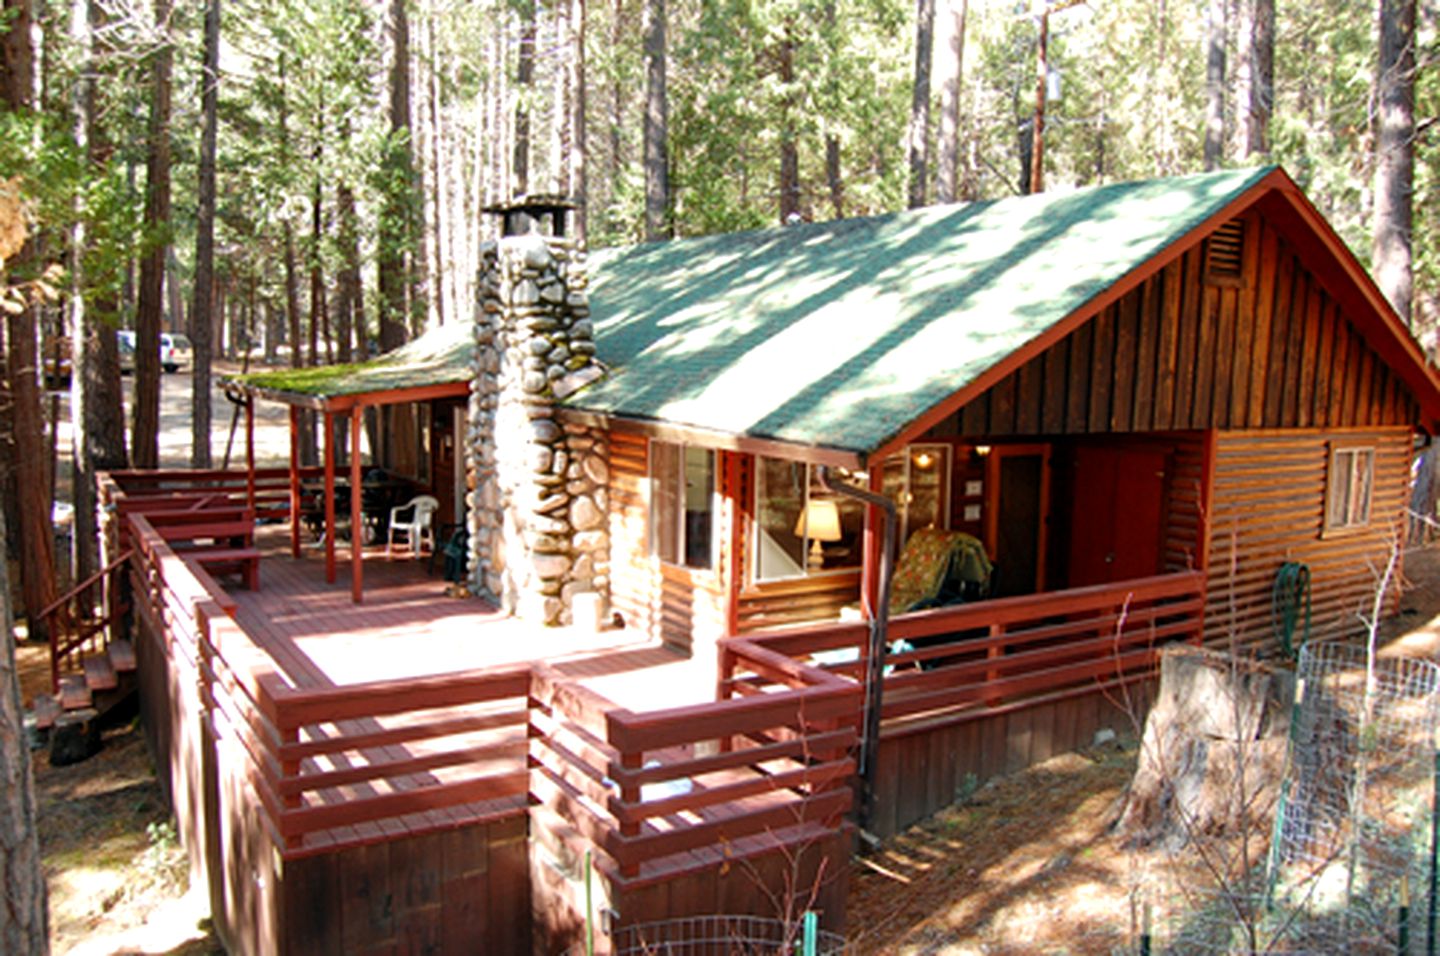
(76, 737)
(1213, 751)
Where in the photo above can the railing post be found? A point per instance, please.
(630, 796)
(994, 653)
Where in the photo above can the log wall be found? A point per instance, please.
(683, 606)
(1269, 508)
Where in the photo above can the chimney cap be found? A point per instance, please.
(521, 213)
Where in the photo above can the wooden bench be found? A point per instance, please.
(220, 540)
(222, 531)
(244, 561)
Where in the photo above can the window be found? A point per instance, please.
(1348, 487)
(800, 527)
(682, 504)
(918, 481)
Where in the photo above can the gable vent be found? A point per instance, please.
(1224, 252)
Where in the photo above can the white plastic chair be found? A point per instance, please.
(418, 529)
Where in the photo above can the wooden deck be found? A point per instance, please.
(409, 626)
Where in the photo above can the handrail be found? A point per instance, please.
(61, 650)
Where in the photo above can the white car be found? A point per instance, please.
(174, 350)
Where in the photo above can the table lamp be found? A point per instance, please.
(820, 521)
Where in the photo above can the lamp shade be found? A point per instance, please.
(820, 521)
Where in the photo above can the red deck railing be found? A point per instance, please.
(964, 660)
(647, 793)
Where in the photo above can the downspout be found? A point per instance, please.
(879, 624)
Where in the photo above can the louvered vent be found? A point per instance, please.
(1224, 251)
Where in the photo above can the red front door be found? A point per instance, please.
(1118, 511)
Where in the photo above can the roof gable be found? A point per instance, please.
(840, 334)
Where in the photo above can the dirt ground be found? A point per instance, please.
(1028, 863)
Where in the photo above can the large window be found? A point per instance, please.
(800, 527)
(1348, 488)
(682, 504)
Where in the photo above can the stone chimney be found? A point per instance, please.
(538, 486)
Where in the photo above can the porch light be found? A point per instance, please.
(924, 459)
(820, 521)
(982, 450)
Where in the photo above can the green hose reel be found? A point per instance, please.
(1289, 600)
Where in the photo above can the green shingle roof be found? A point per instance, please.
(441, 356)
(839, 334)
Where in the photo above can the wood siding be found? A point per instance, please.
(770, 604)
(1178, 352)
(1269, 507)
(680, 605)
(1183, 545)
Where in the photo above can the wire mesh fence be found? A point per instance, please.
(722, 936)
(1349, 867)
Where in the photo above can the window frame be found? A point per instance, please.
(681, 531)
(1344, 461)
(752, 570)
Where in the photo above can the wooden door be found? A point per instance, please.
(1017, 516)
(1117, 512)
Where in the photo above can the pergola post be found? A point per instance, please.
(294, 481)
(357, 530)
(329, 430)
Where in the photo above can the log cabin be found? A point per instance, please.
(1143, 401)
(1190, 374)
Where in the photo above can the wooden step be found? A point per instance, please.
(122, 655)
(99, 675)
(46, 709)
(74, 695)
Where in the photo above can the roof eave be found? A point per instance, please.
(838, 457)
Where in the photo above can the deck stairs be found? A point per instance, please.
(92, 670)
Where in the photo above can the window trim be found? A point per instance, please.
(1349, 522)
(752, 549)
(654, 526)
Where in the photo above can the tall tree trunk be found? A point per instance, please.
(948, 172)
(396, 233)
(31, 481)
(99, 422)
(23, 926)
(789, 148)
(292, 297)
(145, 440)
(292, 266)
(1215, 83)
(618, 93)
(1262, 78)
(438, 299)
(349, 291)
(579, 158)
(524, 83)
(656, 133)
(1037, 127)
(1395, 155)
(201, 317)
(919, 138)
